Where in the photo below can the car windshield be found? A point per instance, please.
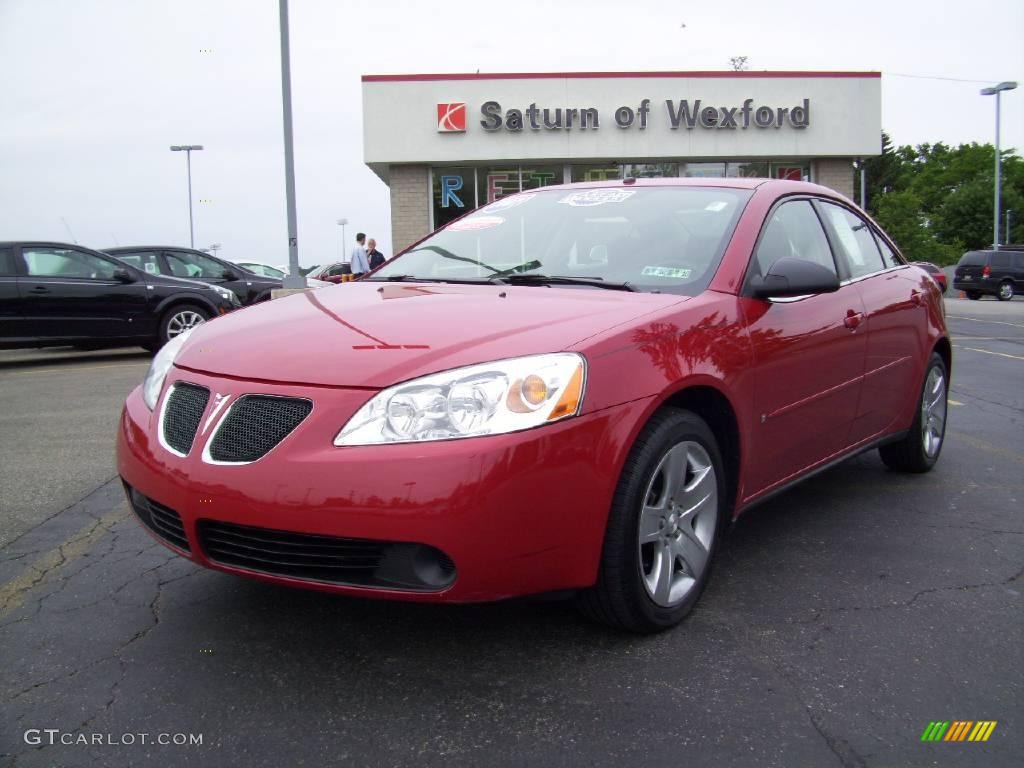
(668, 239)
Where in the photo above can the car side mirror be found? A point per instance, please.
(229, 274)
(789, 277)
(123, 275)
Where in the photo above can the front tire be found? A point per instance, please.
(920, 449)
(179, 319)
(974, 295)
(663, 528)
(1005, 291)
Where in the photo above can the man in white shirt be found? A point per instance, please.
(358, 261)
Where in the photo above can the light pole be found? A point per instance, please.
(187, 149)
(215, 247)
(1008, 212)
(995, 90)
(294, 278)
(344, 242)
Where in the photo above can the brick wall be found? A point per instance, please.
(835, 172)
(410, 204)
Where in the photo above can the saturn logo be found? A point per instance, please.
(451, 117)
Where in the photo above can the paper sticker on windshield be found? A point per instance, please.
(511, 201)
(472, 223)
(597, 197)
(716, 206)
(677, 272)
(150, 268)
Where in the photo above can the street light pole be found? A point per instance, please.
(996, 90)
(342, 223)
(294, 278)
(187, 149)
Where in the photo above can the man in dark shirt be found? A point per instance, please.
(375, 256)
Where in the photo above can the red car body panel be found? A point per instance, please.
(808, 381)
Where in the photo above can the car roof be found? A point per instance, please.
(777, 185)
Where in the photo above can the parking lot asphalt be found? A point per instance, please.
(843, 617)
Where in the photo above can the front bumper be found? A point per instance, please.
(517, 514)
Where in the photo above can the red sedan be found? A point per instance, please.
(574, 388)
(935, 271)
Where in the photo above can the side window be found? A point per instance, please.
(185, 264)
(145, 261)
(889, 257)
(855, 239)
(1018, 261)
(1001, 259)
(794, 231)
(7, 262)
(64, 262)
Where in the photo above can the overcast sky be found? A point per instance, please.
(94, 93)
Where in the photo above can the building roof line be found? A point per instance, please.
(623, 75)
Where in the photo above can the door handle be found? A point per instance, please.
(40, 289)
(853, 319)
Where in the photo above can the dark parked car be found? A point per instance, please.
(595, 380)
(55, 294)
(196, 265)
(992, 273)
(935, 271)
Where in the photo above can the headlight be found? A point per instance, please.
(226, 294)
(487, 399)
(158, 369)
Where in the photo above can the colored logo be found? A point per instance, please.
(958, 730)
(451, 117)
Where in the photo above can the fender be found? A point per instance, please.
(186, 297)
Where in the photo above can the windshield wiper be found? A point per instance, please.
(392, 279)
(418, 279)
(594, 282)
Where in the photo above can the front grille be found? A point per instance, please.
(182, 414)
(327, 559)
(161, 520)
(255, 424)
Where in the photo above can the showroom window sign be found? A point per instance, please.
(677, 115)
(459, 190)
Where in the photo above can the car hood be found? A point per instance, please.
(378, 334)
(178, 282)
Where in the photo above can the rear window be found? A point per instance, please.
(973, 259)
(7, 262)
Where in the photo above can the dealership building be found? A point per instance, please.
(447, 143)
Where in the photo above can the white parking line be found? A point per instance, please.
(988, 352)
(983, 320)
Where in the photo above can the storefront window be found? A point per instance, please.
(649, 170)
(495, 183)
(608, 172)
(751, 170)
(543, 176)
(791, 171)
(702, 170)
(454, 194)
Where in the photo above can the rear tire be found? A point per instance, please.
(180, 318)
(974, 295)
(920, 449)
(1005, 292)
(663, 528)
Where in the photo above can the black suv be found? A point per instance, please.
(995, 273)
(55, 294)
(196, 265)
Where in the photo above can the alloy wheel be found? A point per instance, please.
(933, 411)
(1005, 291)
(182, 322)
(677, 523)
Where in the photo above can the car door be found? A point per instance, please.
(73, 293)
(1018, 273)
(12, 322)
(808, 355)
(896, 319)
